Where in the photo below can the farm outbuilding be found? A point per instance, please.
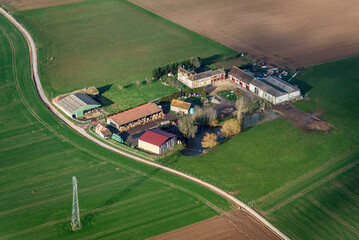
(157, 141)
(240, 77)
(76, 105)
(135, 117)
(274, 90)
(103, 131)
(180, 106)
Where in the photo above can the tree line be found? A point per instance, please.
(189, 64)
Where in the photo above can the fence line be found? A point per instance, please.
(120, 147)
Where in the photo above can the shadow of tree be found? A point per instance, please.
(105, 88)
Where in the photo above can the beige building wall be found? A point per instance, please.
(148, 147)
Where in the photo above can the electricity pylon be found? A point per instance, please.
(75, 221)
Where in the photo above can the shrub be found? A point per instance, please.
(209, 140)
(230, 128)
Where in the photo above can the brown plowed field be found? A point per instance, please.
(236, 225)
(287, 33)
(33, 4)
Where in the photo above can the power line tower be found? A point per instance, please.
(75, 221)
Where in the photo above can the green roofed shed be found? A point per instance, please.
(117, 138)
(77, 104)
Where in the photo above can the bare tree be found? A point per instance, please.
(245, 104)
(195, 62)
(187, 127)
(209, 140)
(138, 83)
(204, 116)
(230, 127)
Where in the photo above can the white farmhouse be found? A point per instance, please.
(195, 80)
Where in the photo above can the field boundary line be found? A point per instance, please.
(350, 194)
(195, 209)
(299, 225)
(273, 196)
(63, 196)
(333, 215)
(43, 98)
(301, 193)
(46, 224)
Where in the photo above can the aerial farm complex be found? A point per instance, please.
(141, 126)
(179, 119)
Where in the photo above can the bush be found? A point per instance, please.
(230, 128)
(209, 140)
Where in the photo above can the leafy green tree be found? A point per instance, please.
(187, 127)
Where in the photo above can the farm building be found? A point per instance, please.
(180, 106)
(194, 80)
(103, 131)
(76, 105)
(135, 117)
(240, 77)
(157, 141)
(117, 138)
(274, 90)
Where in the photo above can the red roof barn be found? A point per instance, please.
(157, 141)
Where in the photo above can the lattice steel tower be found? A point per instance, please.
(75, 221)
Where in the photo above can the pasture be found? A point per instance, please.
(287, 33)
(110, 43)
(39, 154)
(323, 204)
(263, 158)
(304, 183)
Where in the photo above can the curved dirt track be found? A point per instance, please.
(36, 78)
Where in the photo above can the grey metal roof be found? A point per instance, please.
(76, 101)
(289, 88)
(274, 86)
(241, 75)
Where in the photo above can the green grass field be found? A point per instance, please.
(110, 43)
(333, 91)
(324, 203)
(306, 184)
(263, 158)
(119, 197)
